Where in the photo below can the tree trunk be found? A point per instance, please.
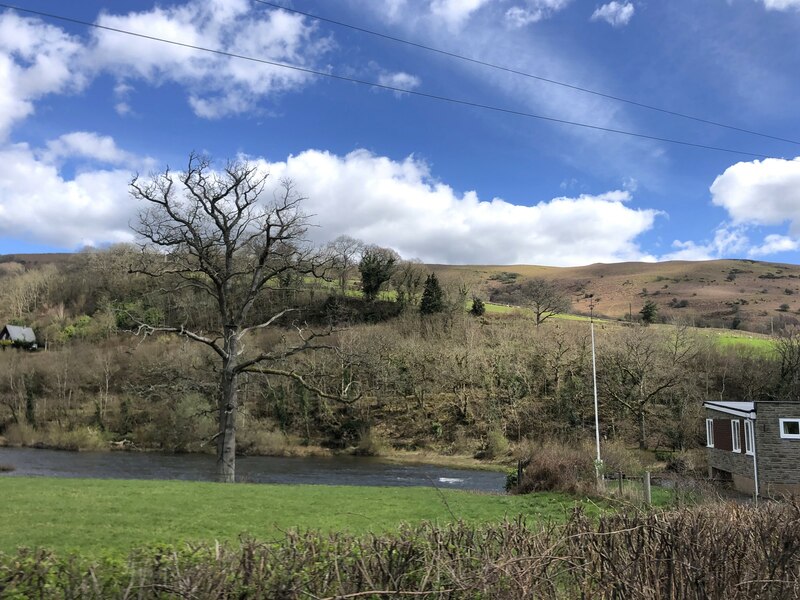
(228, 405)
(642, 432)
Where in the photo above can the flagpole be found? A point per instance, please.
(598, 462)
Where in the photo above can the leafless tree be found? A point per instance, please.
(345, 252)
(219, 239)
(638, 367)
(541, 296)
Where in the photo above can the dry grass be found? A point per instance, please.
(716, 291)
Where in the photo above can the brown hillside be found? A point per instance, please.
(721, 293)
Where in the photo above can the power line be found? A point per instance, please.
(384, 86)
(524, 74)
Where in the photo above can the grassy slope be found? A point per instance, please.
(713, 289)
(98, 517)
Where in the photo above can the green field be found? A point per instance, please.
(111, 517)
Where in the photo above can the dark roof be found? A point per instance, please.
(20, 334)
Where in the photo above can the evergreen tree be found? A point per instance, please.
(478, 307)
(432, 296)
(649, 312)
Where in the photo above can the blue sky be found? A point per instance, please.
(82, 109)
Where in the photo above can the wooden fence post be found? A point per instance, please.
(619, 482)
(648, 498)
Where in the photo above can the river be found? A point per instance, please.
(339, 470)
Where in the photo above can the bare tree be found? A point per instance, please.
(345, 252)
(220, 240)
(541, 296)
(640, 366)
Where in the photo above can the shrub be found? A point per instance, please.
(557, 467)
(496, 445)
(370, 443)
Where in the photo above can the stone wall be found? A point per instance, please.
(778, 458)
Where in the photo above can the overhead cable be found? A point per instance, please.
(392, 88)
(484, 63)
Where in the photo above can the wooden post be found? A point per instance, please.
(648, 498)
(619, 482)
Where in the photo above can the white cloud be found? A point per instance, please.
(84, 144)
(217, 85)
(40, 204)
(402, 80)
(728, 241)
(761, 192)
(35, 60)
(400, 204)
(382, 201)
(534, 11)
(455, 12)
(774, 244)
(616, 14)
(782, 4)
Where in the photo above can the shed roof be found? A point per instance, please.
(20, 334)
(737, 409)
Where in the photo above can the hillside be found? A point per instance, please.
(741, 294)
(720, 293)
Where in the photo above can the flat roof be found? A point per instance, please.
(738, 409)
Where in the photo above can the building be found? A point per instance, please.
(755, 445)
(20, 337)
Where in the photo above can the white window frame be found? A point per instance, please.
(789, 436)
(749, 438)
(709, 433)
(736, 435)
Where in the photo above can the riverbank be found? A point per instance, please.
(92, 441)
(111, 517)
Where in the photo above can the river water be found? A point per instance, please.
(339, 470)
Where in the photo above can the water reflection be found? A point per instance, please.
(340, 470)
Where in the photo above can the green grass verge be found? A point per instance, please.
(111, 517)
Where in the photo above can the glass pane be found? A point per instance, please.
(791, 427)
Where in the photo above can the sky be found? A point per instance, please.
(477, 181)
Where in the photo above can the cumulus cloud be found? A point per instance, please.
(761, 192)
(85, 144)
(379, 200)
(616, 14)
(400, 204)
(782, 4)
(774, 243)
(40, 204)
(533, 12)
(35, 60)
(233, 26)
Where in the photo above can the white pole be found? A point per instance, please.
(755, 462)
(598, 462)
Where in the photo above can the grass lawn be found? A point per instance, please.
(110, 517)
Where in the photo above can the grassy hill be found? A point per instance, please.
(740, 294)
(720, 293)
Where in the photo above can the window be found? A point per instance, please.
(736, 442)
(790, 429)
(749, 440)
(710, 433)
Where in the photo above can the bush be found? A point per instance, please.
(257, 439)
(370, 443)
(496, 445)
(557, 467)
